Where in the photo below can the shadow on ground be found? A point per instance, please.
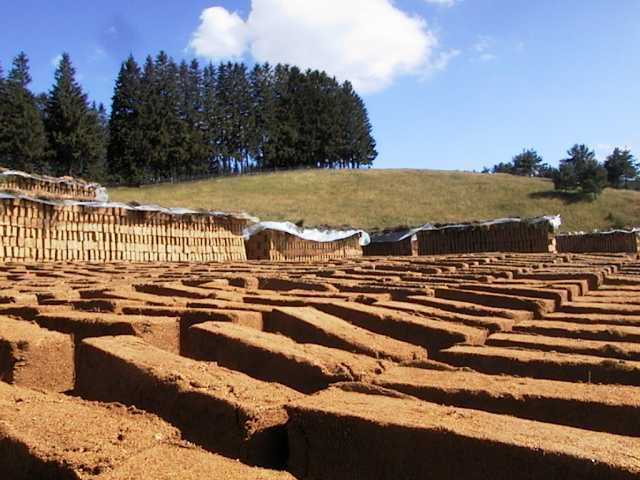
(565, 197)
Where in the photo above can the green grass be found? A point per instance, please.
(385, 198)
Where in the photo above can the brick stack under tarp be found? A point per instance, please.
(615, 241)
(55, 188)
(503, 235)
(285, 241)
(33, 229)
(395, 243)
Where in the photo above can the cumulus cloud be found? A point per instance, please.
(221, 34)
(369, 42)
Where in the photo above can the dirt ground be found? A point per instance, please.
(491, 366)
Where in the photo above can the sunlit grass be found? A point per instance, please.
(386, 198)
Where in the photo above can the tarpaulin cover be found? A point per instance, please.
(313, 234)
(602, 232)
(101, 192)
(133, 207)
(398, 235)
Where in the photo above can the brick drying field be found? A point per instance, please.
(493, 366)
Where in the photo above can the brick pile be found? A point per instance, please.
(508, 235)
(613, 241)
(32, 229)
(398, 243)
(277, 245)
(58, 188)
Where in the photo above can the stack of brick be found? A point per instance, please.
(278, 245)
(36, 230)
(55, 188)
(613, 242)
(397, 243)
(508, 235)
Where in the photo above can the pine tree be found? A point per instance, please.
(146, 123)
(125, 164)
(287, 82)
(70, 124)
(98, 130)
(621, 167)
(361, 146)
(23, 142)
(318, 116)
(195, 149)
(264, 113)
(234, 99)
(211, 118)
(161, 124)
(527, 163)
(581, 170)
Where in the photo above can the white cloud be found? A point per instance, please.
(56, 60)
(483, 49)
(369, 42)
(221, 34)
(441, 61)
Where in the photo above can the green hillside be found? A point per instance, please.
(386, 198)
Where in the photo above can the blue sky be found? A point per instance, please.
(449, 84)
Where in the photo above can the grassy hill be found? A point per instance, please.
(387, 198)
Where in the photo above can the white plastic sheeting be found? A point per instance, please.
(396, 236)
(554, 220)
(101, 192)
(602, 232)
(133, 207)
(313, 234)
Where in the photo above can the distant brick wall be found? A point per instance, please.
(276, 245)
(498, 237)
(53, 231)
(58, 188)
(405, 247)
(612, 242)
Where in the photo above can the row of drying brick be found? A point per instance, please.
(375, 331)
(268, 424)
(39, 231)
(414, 466)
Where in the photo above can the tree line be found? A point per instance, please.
(580, 172)
(172, 121)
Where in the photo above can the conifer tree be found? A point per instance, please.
(70, 124)
(211, 118)
(287, 85)
(161, 122)
(194, 151)
(125, 132)
(185, 122)
(581, 170)
(621, 167)
(236, 121)
(23, 142)
(98, 131)
(359, 147)
(264, 111)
